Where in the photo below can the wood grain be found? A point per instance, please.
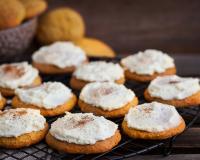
(129, 26)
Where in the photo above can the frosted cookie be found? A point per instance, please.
(21, 128)
(83, 133)
(147, 65)
(51, 98)
(107, 99)
(97, 71)
(174, 90)
(2, 101)
(17, 75)
(153, 121)
(59, 57)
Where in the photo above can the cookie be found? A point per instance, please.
(147, 65)
(34, 7)
(106, 99)
(97, 71)
(95, 48)
(62, 24)
(12, 13)
(14, 132)
(174, 90)
(59, 58)
(83, 134)
(2, 102)
(153, 121)
(51, 98)
(11, 92)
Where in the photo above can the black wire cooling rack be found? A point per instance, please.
(125, 149)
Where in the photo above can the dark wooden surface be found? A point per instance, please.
(132, 25)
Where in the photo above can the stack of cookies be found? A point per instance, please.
(102, 95)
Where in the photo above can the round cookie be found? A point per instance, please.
(11, 92)
(60, 24)
(146, 78)
(47, 61)
(17, 75)
(12, 13)
(146, 66)
(2, 102)
(106, 99)
(34, 7)
(148, 123)
(174, 90)
(16, 134)
(95, 48)
(51, 98)
(75, 126)
(97, 71)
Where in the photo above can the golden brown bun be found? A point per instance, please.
(12, 13)
(108, 114)
(79, 84)
(192, 100)
(146, 78)
(95, 48)
(2, 103)
(62, 24)
(51, 69)
(24, 140)
(61, 109)
(11, 92)
(138, 134)
(98, 147)
(34, 7)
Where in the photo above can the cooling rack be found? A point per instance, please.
(125, 149)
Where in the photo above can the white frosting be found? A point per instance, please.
(48, 95)
(148, 62)
(153, 117)
(82, 128)
(106, 95)
(16, 75)
(16, 122)
(99, 71)
(173, 87)
(60, 54)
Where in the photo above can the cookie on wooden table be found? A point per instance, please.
(107, 99)
(83, 133)
(97, 71)
(17, 75)
(51, 98)
(59, 58)
(174, 90)
(21, 128)
(95, 48)
(146, 66)
(153, 121)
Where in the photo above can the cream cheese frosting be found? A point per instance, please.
(153, 117)
(60, 54)
(99, 71)
(82, 128)
(148, 62)
(16, 75)
(48, 95)
(173, 87)
(16, 122)
(106, 95)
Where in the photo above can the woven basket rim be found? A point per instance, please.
(26, 22)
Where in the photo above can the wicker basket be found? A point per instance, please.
(14, 41)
